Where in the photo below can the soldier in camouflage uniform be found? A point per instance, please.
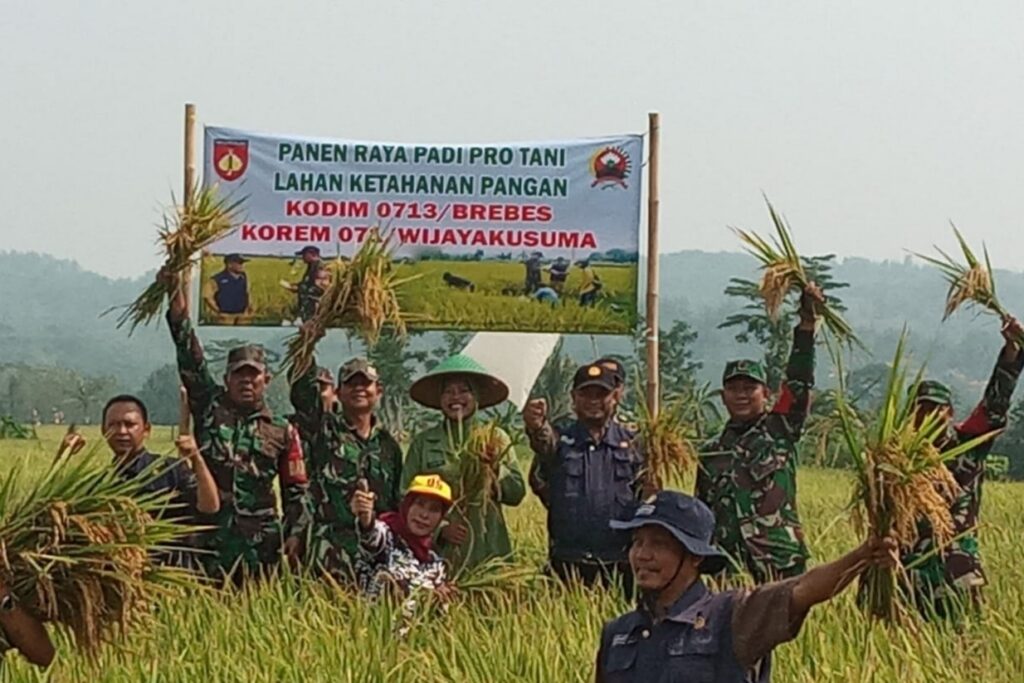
(347, 444)
(747, 475)
(946, 580)
(313, 283)
(246, 447)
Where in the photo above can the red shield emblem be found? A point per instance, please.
(230, 158)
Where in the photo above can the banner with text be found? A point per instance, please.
(527, 237)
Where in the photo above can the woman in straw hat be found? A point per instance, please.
(459, 387)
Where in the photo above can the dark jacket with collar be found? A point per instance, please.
(585, 485)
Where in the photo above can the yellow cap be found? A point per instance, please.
(431, 485)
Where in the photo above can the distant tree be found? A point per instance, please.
(451, 344)
(775, 336)
(160, 394)
(555, 381)
(397, 364)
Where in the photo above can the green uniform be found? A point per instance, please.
(945, 581)
(245, 451)
(747, 476)
(435, 451)
(336, 460)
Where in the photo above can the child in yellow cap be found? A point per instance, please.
(397, 549)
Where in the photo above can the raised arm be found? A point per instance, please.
(990, 413)
(305, 397)
(544, 444)
(192, 366)
(511, 486)
(294, 487)
(794, 402)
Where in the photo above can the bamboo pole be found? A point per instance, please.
(651, 313)
(184, 413)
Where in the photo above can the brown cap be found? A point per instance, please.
(357, 366)
(250, 355)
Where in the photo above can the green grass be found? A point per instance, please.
(301, 631)
(428, 298)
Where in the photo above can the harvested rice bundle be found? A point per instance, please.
(486, 446)
(363, 293)
(202, 220)
(783, 272)
(901, 477)
(75, 548)
(667, 442)
(970, 283)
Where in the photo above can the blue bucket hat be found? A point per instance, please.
(690, 521)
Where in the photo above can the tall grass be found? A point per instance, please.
(301, 631)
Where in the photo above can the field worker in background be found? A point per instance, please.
(396, 548)
(558, 273)
(126, 427)
(22, 631)
(348, 445)
(682, 631)
(226, 294)
(533, 272)
(945, 581)
(546, 295)
(747, 475)
(459, 387)
(591, 286)
(586, 473)
(308, 289)
(246, 448)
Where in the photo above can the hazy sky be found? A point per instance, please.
(871, 124)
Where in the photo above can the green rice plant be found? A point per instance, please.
(901, 475)
(783, 272)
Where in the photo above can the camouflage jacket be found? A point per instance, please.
(934, 574)
(308, 293)
(336, 460)
(245, 451)
(747, 476)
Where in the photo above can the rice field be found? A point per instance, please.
(298, 630)
(429, 299)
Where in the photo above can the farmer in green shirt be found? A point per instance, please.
(459, 387)
(747, 475)
(347, 445)
(246, 448)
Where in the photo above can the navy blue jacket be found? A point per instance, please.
(584, 486)
(232, 295)
(175, 478)
(704, 638)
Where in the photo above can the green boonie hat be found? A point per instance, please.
(934, 392)
(490, 391)
(250, 355)
(753, 369)
(357, 366)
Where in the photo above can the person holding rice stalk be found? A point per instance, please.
(947, 580)
(347, 445)
(747, 475)
(246, 448)
(396, 548)
(477, 459)
(683, 631)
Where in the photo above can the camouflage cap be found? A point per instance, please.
(357, 366)
(751, 369)
(324, 375)
(934, 392)
(250, 355)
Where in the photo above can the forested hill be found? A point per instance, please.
(51, 315)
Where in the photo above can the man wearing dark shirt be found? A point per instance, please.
(227, 295)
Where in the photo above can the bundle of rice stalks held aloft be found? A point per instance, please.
(970, 283)
(667, 441)
(363, 293)
(783, 272)
(75, 548)
(902, 483)
(202, 220)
